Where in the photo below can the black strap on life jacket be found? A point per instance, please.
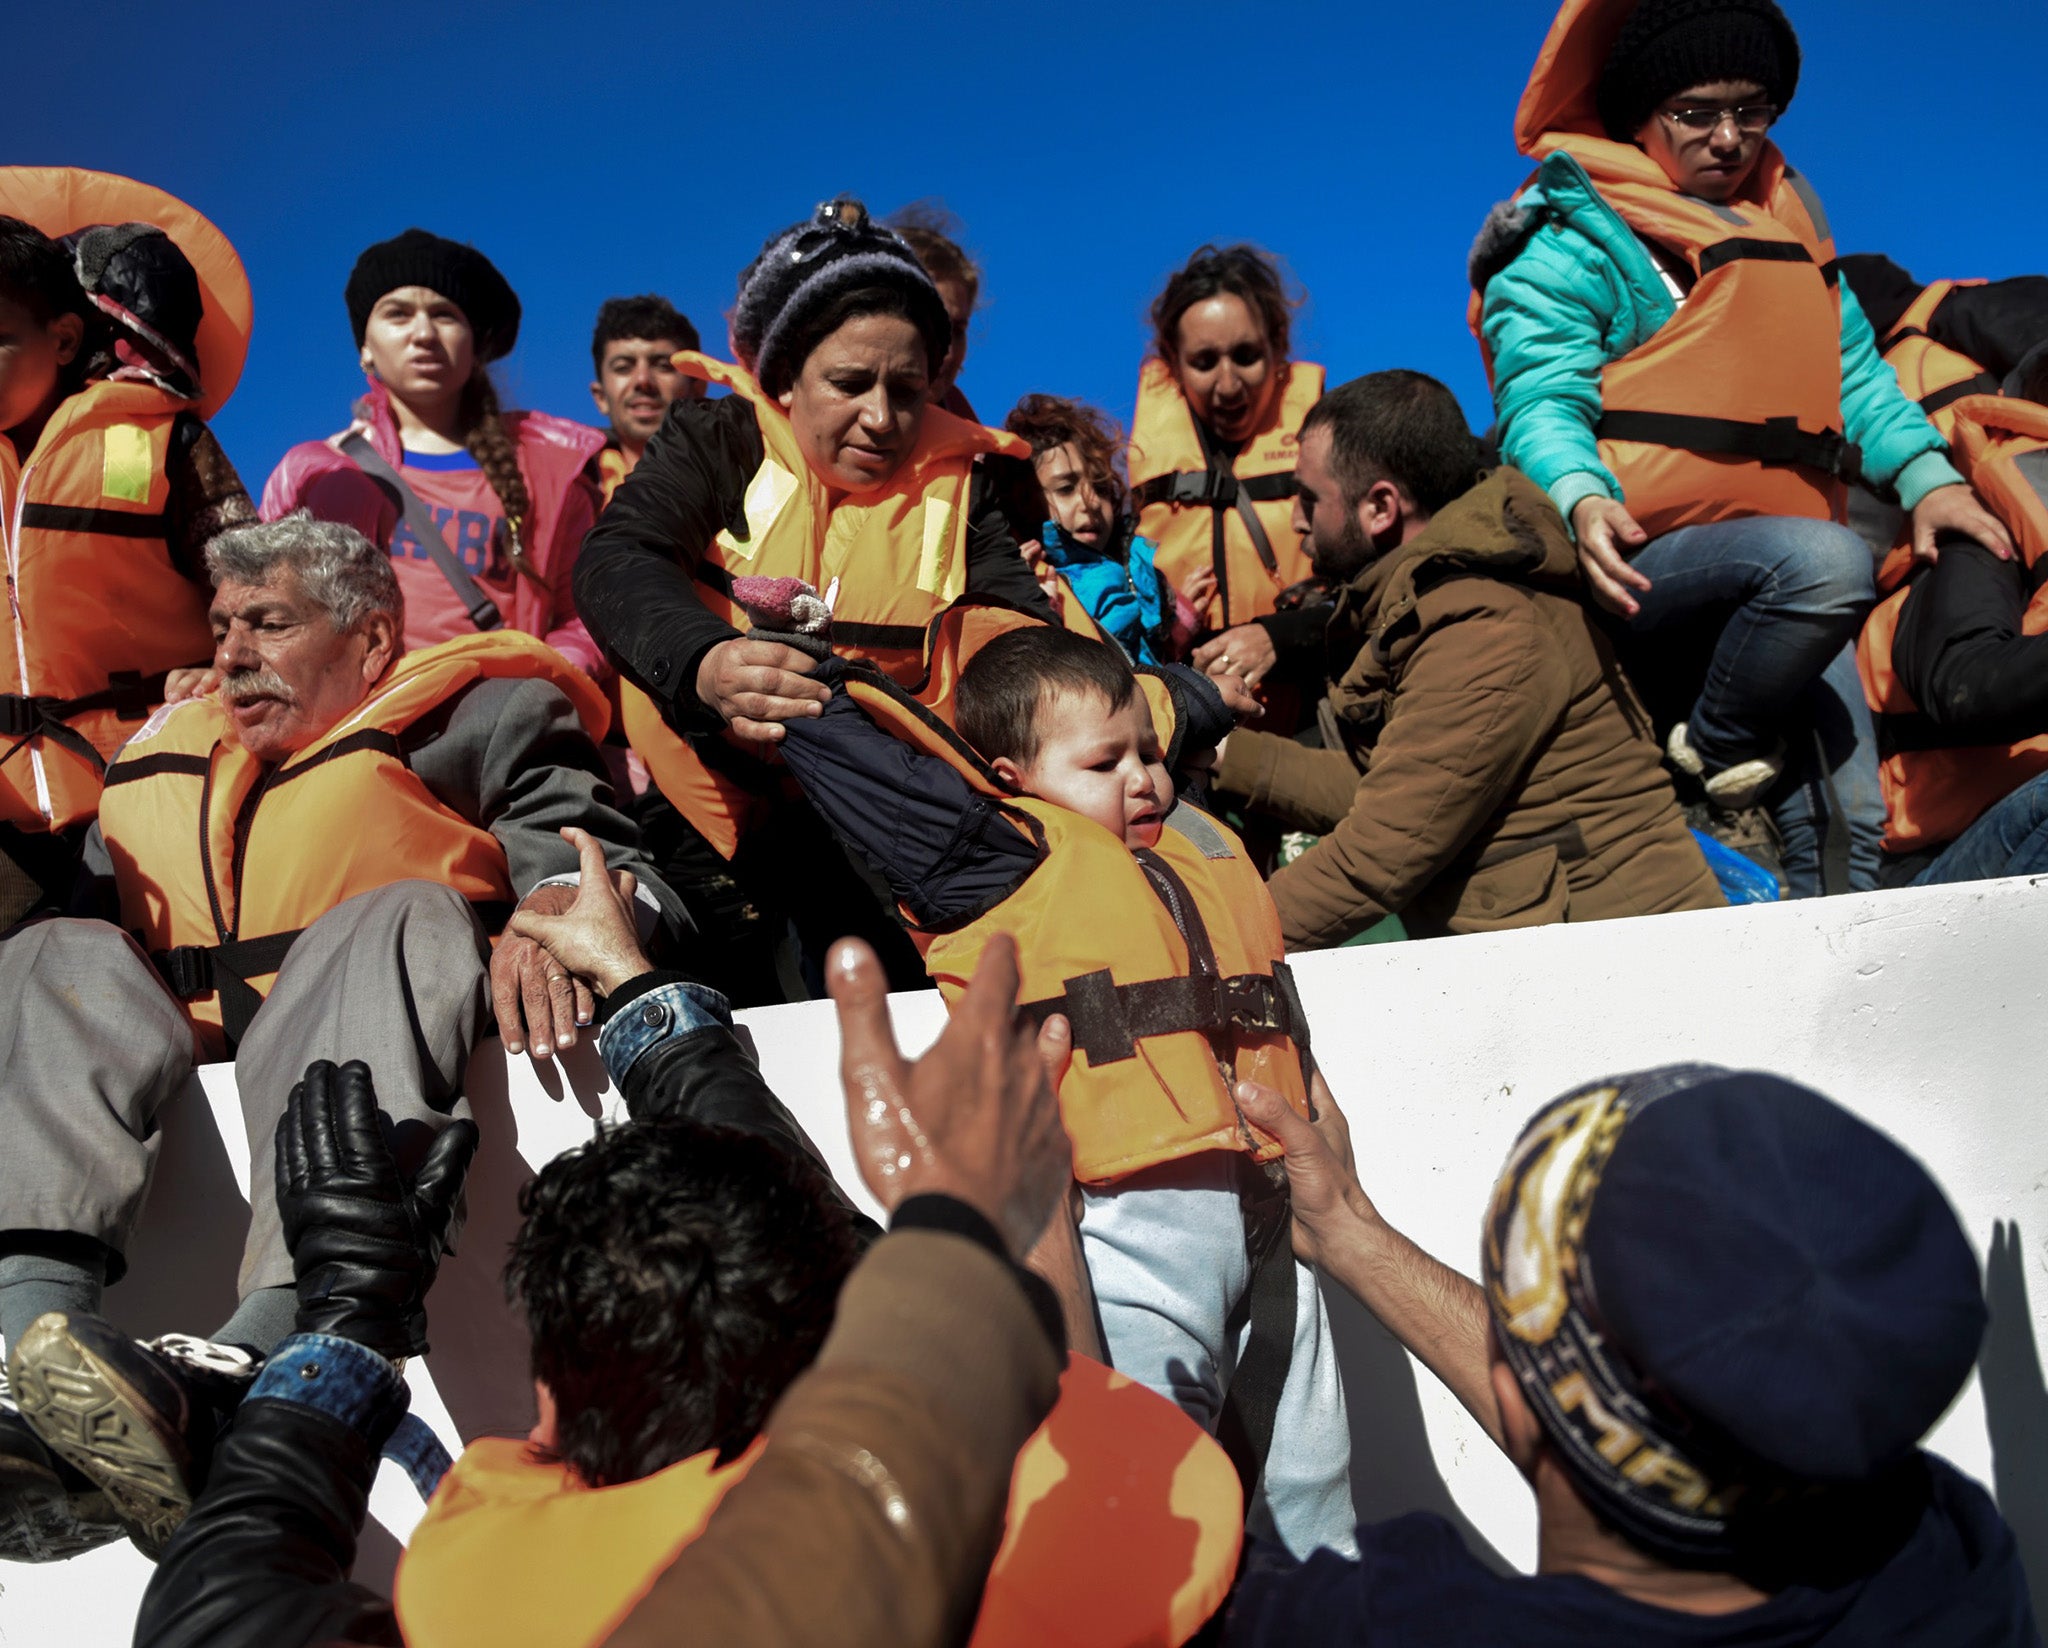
(106, 523)
(1773, 441)
(1982, 384)
(483, 611)
(194, 970)
(1252, 1403)
(1222, 491)
(128, 693)
(1110, 1019)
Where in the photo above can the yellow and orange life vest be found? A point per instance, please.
(1168, 962)
(1237, 521)
(100, 611)
(1734, 406)
(1935, 789)
(898, 553)
(221, 861)
(1124, 1527)
(1932, 373)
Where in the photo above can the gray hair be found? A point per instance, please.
(344, 572)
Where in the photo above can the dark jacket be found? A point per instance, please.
(633, 579)
(937, 1371)
(1956, 1583)
(1961, 651)
(1490, 767)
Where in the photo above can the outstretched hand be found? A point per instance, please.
(598, 938)
(1956, 509)
(1607, 535)
(365, 1240)
(977, 1118)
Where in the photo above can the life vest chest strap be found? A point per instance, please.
(1109, 1019)
(1773, 441)
(1217, 488)
(128, 693)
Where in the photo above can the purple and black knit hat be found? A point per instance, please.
(808, 267)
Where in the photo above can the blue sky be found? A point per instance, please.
(597, 149)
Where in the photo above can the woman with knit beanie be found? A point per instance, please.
(1675, 361)
(508, 493)
(827, 464)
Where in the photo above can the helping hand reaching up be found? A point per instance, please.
(977, 1118)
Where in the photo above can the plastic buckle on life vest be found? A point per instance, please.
(187, 970)
(1203, 486)
(1249, 1002)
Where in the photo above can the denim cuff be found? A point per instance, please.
(338, 1377)
(678, 1008)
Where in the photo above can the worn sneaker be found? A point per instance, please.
(1733, 789)
(139, 1420)
(48, 1511)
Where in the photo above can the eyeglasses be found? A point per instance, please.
(1750, 117)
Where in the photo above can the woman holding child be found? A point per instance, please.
(827, 463)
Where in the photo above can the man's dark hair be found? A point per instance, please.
(1397, 426)
(649, 316)
(676, 1279)
(1010, 680)
(36, 273)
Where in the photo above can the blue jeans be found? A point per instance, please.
(1785, 598)
(2011, 839)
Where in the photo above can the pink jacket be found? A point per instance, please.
(553, 456)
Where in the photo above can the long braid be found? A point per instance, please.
(491, 446)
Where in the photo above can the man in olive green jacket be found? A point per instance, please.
(1487, 765)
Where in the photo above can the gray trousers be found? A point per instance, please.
(95, 1045)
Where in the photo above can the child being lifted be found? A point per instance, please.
(1029, 791)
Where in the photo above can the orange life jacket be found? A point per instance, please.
(1168, 963)
(1932, 373)
(1934, 789)
(221, 862)
(1238, 521)
(898, 554)
(1734, 406)
(1124, 1526)
(99, 610)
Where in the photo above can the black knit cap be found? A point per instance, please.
(1668, 45)
(461, 274)
(809, 266)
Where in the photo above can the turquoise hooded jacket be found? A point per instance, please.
(1566, 287)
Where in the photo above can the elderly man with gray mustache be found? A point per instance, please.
(311, 848)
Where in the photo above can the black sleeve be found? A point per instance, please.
(1297, 638)
(995, 565)
(1961, 652)
(263, 1560)
(945, 849)
(1883, 290)
(1997, 325)
(709, 1076)
(633, 585)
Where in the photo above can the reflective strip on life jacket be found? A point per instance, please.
(221, 862)
(1936, 787)
(1236, 520)
(99, 610)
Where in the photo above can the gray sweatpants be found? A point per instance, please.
(94, 1046)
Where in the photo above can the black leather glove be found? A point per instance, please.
(364, 1243)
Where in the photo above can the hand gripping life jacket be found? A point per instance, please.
(1124, 1527)
(1239, 520)
(222, 862)
(1932, 373)
(100, 611)
(1168, 962)
(1734, 406)
(897, 552)
(1935, 789)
